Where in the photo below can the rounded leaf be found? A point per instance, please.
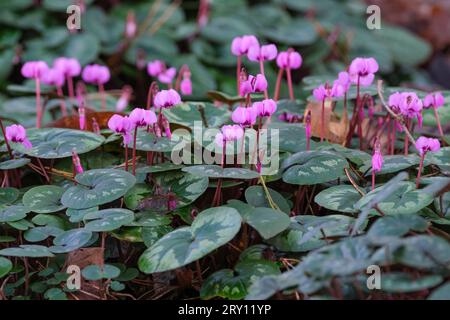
(44, 199)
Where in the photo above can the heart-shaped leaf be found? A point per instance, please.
(313, 167)
(71, 240)
(58, 143)
(95, 272)
(14, 163)
(146, 141)
(108, 219)
(32, 251)
(13, 213)
(338, 198)
(38, 234)
(214, 171)
(5, 266)
(306, 233)
(211, 229)
(8, 195)
(406, 199)
(256, 197)
(44, 199)
(97, 187)
(268, 222)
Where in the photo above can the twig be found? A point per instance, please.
(353, 182)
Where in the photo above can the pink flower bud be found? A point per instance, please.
(76, 162)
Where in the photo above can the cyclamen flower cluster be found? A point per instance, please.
(124, 125)
(157, 68)
(407, 104)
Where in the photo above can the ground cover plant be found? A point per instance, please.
(153, 157)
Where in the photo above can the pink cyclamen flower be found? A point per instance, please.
(377, 160)
(34, 69)
(96, 74)
(124, 98)
(344, 80)
(155, 68)
(186, 86)
(76, 162)
(364, 70)
(322, 92)
(434, 100)
(258, 53)
(411, 106)
(53, 77)
(244, 116)
(142, 118)
(167, 75)
(289, 59)
(253, 84)
(395, 101)
(167, 99)
(229, 133)
(265, 108)
(121, 125)
(424, 144)
(70, 67)
(241, 45)
(17, 134)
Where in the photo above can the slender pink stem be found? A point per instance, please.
(238, 73)
(261, 68)
(289, 81)
(38, 104)
(322, 121)
(134, 151)
(101, 90)
(438, 121)
(422, 158)
(60, 93)
(278, 84)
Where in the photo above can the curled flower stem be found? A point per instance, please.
(422, 159)
(278, 84)
(395, 116)
(438, 121)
